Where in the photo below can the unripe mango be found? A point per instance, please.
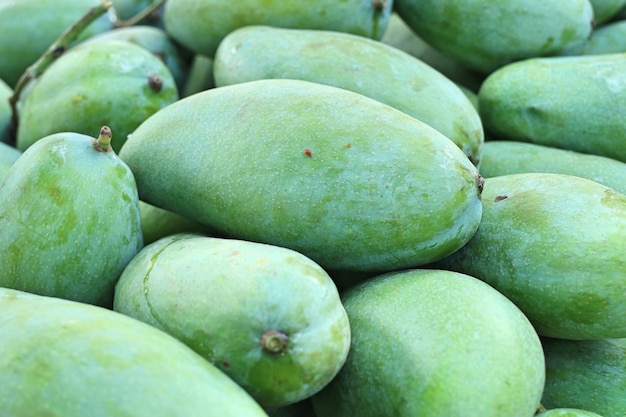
(604, 10)
(553, 244)
(567, 412)
(6, 113)
(355, 63)
(576, 103)
(8, 156)
(434, 343)
(201, 25)
(66, 359)
(607, 39)
(344, 179)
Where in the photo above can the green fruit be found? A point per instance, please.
(502, 157)
(155, 40)
(355, 63)
(8, 156)
(607, 39)
(6, 113)
(344, 179)
(567, 412)
(66, 359)
(157, 223)
(69, 219)
(574, 103)
(268, 317)
(435, 343)
(201, 25)
(114, 83)
(200, 76)
(29, 27)
(554, 244)
(586, 374)
(484, 35)
(604, 10)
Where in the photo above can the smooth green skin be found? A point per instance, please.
(200, 76)
(567, 412)
(554, 244)
(201, 25)
(401, 36)
(607, 39)
(589, 375)
(100, 83)
(604, 10)
(501, 157)
(435, 343)
(67, 359)
(576, 103)
(8, 156)
(484, 35)
(157, 223)
(355, 63)
(219, 296)
(157, 41)
(69, 220)
(29, 27)
(5, 113)
(380, 189)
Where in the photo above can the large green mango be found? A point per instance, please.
(554, 244)
(66, 359)
(576, 103)
(344, 179)
(435, 343)
(110, 82)
(587, 374)
(355, 63)
(502, 157)
(29, 27)
(484, 35)
(69, 219)
(201, 25)
(268, 317)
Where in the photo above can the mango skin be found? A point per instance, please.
(201, 25)
(609, 38)
(66, 359)
(484, 35)
(501, 157)
(219, 296)
(95, 84)
(355, 63)
(567, 412)
(157, 223)
(604, 10)
(29, 27)
(344, 179)
(574, 103)
(553, 244)
(6, 113)
(8, 156)
(434, 343)
(586, 374)
(69, 220)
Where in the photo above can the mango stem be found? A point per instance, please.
(274, 342)
(103, 143)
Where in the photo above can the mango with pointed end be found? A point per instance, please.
(576, 103)
(201, 25)
(62, 358)
(69, 219)
(348, 181)
(114, 83)
(553, 244)
(267, 316)
(355, 63)
(434, 343)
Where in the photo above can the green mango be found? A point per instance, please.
(567, 412)
(607, 39)
(8, 156)
(554, 244)
(268, 317)
(6, 114)
(156, 40)
(484, 35)
(501, 157)
(29, 27)
(434, 343)
(344, 179)
(586, 374)
(157, 223)
(604, 10)
(200, 76)
(112, 82)
(69, 219)
(576, 103)
(201, 25)
(355, 63)
(62, 358)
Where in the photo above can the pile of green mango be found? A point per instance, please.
(372, 208)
